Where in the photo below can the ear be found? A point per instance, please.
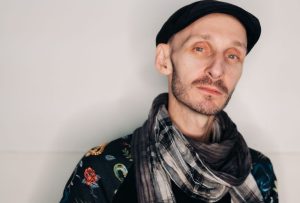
(162, 59)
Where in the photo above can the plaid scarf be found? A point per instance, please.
(203, 171)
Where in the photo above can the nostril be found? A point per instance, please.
(216, 70)
(215, 73)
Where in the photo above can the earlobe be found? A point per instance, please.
(162, 59)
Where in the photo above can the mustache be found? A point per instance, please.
(205, 80)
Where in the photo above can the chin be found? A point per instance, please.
(207, 106)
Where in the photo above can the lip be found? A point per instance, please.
(210, 90)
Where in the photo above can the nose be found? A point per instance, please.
(216, 68)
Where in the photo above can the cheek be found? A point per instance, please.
(182, 68)
(190, 68)
(196, 63)
(234, 77)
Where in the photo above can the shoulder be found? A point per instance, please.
(110, 161)
(119, 149)
(100, 172)
(263, 172)
(110, 155)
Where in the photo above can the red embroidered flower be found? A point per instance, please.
(90, 176)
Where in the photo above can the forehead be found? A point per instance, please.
(216, 25)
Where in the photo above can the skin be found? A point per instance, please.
(203, 64)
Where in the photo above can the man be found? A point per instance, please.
(188, 150)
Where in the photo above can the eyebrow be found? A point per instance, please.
(208, 37)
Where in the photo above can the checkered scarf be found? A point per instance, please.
(162, 154)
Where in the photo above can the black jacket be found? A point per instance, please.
(106, 174)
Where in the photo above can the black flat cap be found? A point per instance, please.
(190, 13)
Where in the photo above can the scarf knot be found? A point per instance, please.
(205, 171)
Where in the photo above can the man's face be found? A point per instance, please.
(207, 59)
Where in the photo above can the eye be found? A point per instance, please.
(199, 49)
(233, 57)
(202, 49)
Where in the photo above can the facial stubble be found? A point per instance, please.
(180, 92)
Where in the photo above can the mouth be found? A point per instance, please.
(210, 90)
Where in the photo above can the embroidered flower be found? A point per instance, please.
(91, 178)
(265, 179)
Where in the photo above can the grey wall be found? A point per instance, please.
(74, 74)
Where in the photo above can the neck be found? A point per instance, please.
(192, 124)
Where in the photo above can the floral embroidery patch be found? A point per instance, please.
(263, 173)
(91, 178)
